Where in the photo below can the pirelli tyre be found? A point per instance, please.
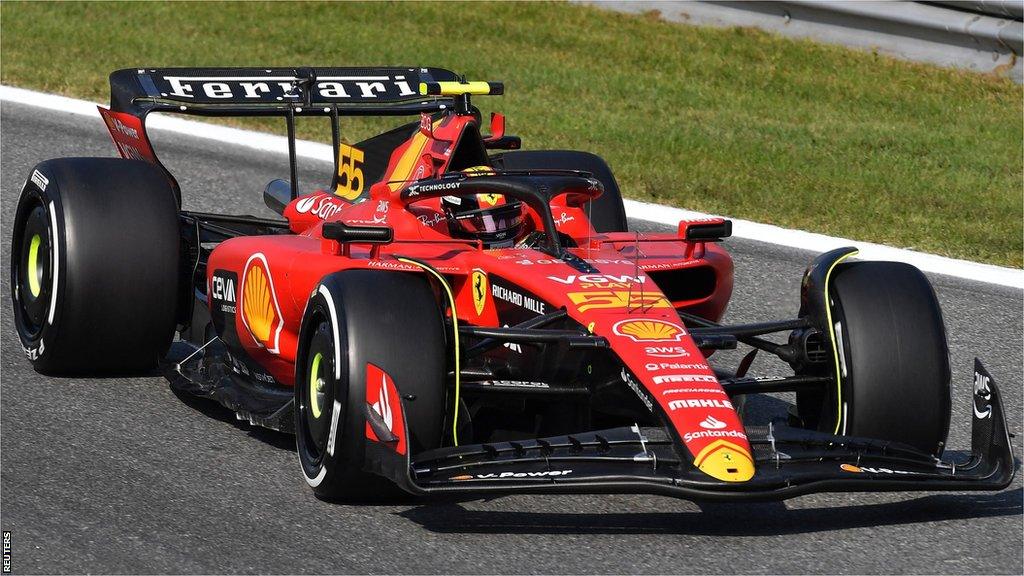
(94, 266)
(893, 356)
(607, 213)
(370, 374)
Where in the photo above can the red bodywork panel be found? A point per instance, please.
(621, 302)
(129, 135)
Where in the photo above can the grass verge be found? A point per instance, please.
(736, 121)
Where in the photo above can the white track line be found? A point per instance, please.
(767, 233)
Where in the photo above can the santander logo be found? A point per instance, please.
(322, 207)
(383, 405)
(712, 423)
(303, 205)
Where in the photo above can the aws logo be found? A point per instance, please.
(261, 313)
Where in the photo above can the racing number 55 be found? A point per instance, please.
(349, 184)
(602, 299)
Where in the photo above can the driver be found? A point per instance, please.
(496, 221)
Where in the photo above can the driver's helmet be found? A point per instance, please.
(491, 218)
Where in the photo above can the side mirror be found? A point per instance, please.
(504, 143)
(277, 195)
(497, 140)
(368, 234)
(713, 230)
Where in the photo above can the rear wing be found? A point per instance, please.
(284, 92)
(278, 91)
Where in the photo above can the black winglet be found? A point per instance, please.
(377, 424)
(990, 439)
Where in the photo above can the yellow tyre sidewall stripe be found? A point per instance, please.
(455, 337)
(835, 347)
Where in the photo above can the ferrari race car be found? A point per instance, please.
(457, 315)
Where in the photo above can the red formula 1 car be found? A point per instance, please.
(457, 315)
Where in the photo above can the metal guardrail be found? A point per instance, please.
(983, 36)
(1011, 9)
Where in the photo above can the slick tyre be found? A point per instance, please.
(607, 213)
(94, 266)
(367, 330)
(894, 356)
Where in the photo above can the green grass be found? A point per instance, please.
(730, 121)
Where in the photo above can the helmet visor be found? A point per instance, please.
(490, 220)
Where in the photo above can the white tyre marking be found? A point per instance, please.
(334, 427)
(314, 482)
(839, 345)
(56, 262)
(334, 323)
(336, 412)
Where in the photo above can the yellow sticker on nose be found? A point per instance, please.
(725, 461)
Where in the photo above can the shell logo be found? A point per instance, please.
(649, 330)
(261, 313)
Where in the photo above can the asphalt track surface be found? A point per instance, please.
(122, 476)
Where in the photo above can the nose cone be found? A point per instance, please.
(725, 461)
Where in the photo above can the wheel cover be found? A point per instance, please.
(316, 395)
(31, 269)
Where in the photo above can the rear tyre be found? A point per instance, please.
(94, 266)
(358, 324)
(896, 384)
(607, 213)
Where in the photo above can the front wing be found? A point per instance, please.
(789, 461)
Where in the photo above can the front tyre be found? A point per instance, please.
(94, 266)
(376, 331)
(894, 360)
